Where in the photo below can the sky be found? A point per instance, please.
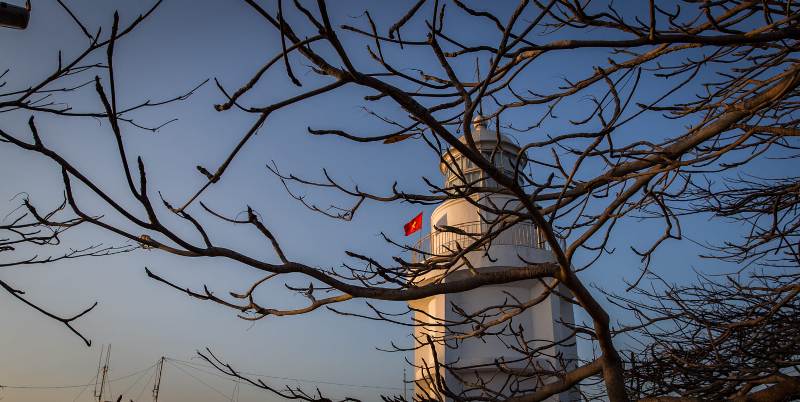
(183, 44)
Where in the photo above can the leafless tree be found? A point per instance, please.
(29, 230)
(727, 70)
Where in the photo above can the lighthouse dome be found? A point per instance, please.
(483, 135)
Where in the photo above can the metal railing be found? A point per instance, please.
(444, 243)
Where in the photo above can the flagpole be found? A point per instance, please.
(415, 225)
(421, 247)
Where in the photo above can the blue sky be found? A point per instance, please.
(184, 43)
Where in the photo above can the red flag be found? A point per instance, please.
(413, 225)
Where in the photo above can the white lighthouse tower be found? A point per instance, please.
(488, 359)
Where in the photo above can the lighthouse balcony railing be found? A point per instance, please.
(443, 242)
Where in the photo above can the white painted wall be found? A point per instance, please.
(541, 322)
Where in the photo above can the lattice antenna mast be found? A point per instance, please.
(99, 369)
(157, 380)
(102, 374)
(477, 80)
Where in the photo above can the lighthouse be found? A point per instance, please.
(488, 364)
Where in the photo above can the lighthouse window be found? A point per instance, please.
(508, 162)
(472, 177)
(453, 179)
(461, 170)
(463, 164)
(488, 156)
